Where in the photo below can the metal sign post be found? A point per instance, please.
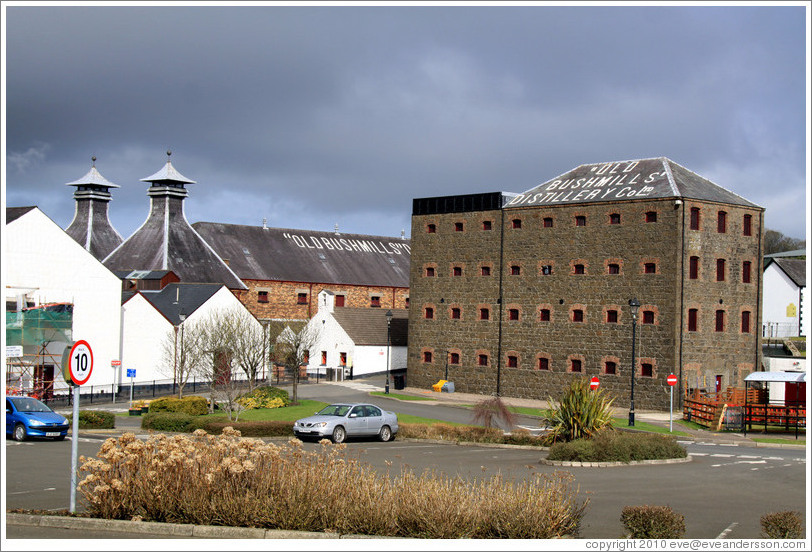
(80, 366)
(131, 375)
(672, 381)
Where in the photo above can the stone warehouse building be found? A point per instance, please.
(516, 294)
(285, 270)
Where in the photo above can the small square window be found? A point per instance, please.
(614, 218)
(374, 301)
(487, 224)
(513, 361)
(580, 220)
(455, 358)
(610, 367)
(513, 314)
(515, 270)
(648, 317)
(646, 370)
(485, 270)
(482, 360)
(544, 315)
(614, 268)
(611, 317)
(301, 298)
(575, 365)
(579, 269)
(546, 270)
(484, 314)
(544, 363)
(340, 299)
(430, 272)
(431, 228)
(457, 271)
(456, 313)
(651, 216)
(427, 356)
(547, 222)
(429, 313)
(262, 297)
(577, 315)
(517, 223)
(650, 268)
(458, 227)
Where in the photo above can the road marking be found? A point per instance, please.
(746, 456)
(717, 455)
(697, 454)
(35, 491)
(726, 532)
(752, 462)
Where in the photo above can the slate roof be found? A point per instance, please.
(627, 180)
(794, 268)
(368, 326)
(176, 298)
(141, 274)
(278, 254)
(13, 213)
(166, 241)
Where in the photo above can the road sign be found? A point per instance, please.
(114, 363)
(594, 383)
(14, 351)
(130, 372)
(671, 380)
(80, 362)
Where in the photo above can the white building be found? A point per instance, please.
(42, 264)
(149, 318)
(353, 341)
(784, 301)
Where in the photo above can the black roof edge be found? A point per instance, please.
(466, 203)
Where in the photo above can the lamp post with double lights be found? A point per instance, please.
(634, 305)
(388, 334)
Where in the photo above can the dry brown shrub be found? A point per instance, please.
(229, 480)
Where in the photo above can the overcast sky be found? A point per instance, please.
(315, 116)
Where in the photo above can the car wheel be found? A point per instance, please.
(339, 434)
(20, 433)
(385, 434)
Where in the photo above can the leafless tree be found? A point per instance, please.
(776, 242)
(182, 352)
(291, 343)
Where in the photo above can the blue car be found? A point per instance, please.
(28, 417)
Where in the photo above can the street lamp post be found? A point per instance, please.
(388, 334)
(634, 305)
(446, 365)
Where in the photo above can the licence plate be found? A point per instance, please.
(52, 434)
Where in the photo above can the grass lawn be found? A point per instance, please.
(781, 441)
(287, 414)
(401, 397)
(623, 423)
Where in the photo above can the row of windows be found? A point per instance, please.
(610, 316)
(340, 300)
(610, 268)
(615, 218)
(543, 363)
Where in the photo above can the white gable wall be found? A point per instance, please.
(144, 332)
(781, 304)
(38, 254)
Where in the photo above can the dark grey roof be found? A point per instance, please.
(793, 253)
(794, 268)
(277, 254)
(141, 274)
(13, 213)
(91, 227)
(627, 180)
(368, 326)
(176, 299)
(166, 241)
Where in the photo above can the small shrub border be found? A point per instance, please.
(782, 525)
(618, 446)
(193, 405)
(94, 419)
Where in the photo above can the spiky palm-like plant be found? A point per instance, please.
(579, 414)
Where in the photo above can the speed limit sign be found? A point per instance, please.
(80, 362)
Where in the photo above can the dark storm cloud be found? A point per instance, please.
(312, 116)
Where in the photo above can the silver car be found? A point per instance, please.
(339, 421)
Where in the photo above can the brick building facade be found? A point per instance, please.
(519, 293)
(285, 270)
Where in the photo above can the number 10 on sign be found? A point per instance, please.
(81, 362)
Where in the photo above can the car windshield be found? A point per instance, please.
(334, 410)
(28, 404)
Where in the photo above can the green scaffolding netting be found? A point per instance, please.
(40, 326)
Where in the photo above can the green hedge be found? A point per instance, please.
(267, 392)
(652, 522)
(247, 429)
(618, 446)
(95, 419)
(782, 525)
(168, 421)
(193, 405)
